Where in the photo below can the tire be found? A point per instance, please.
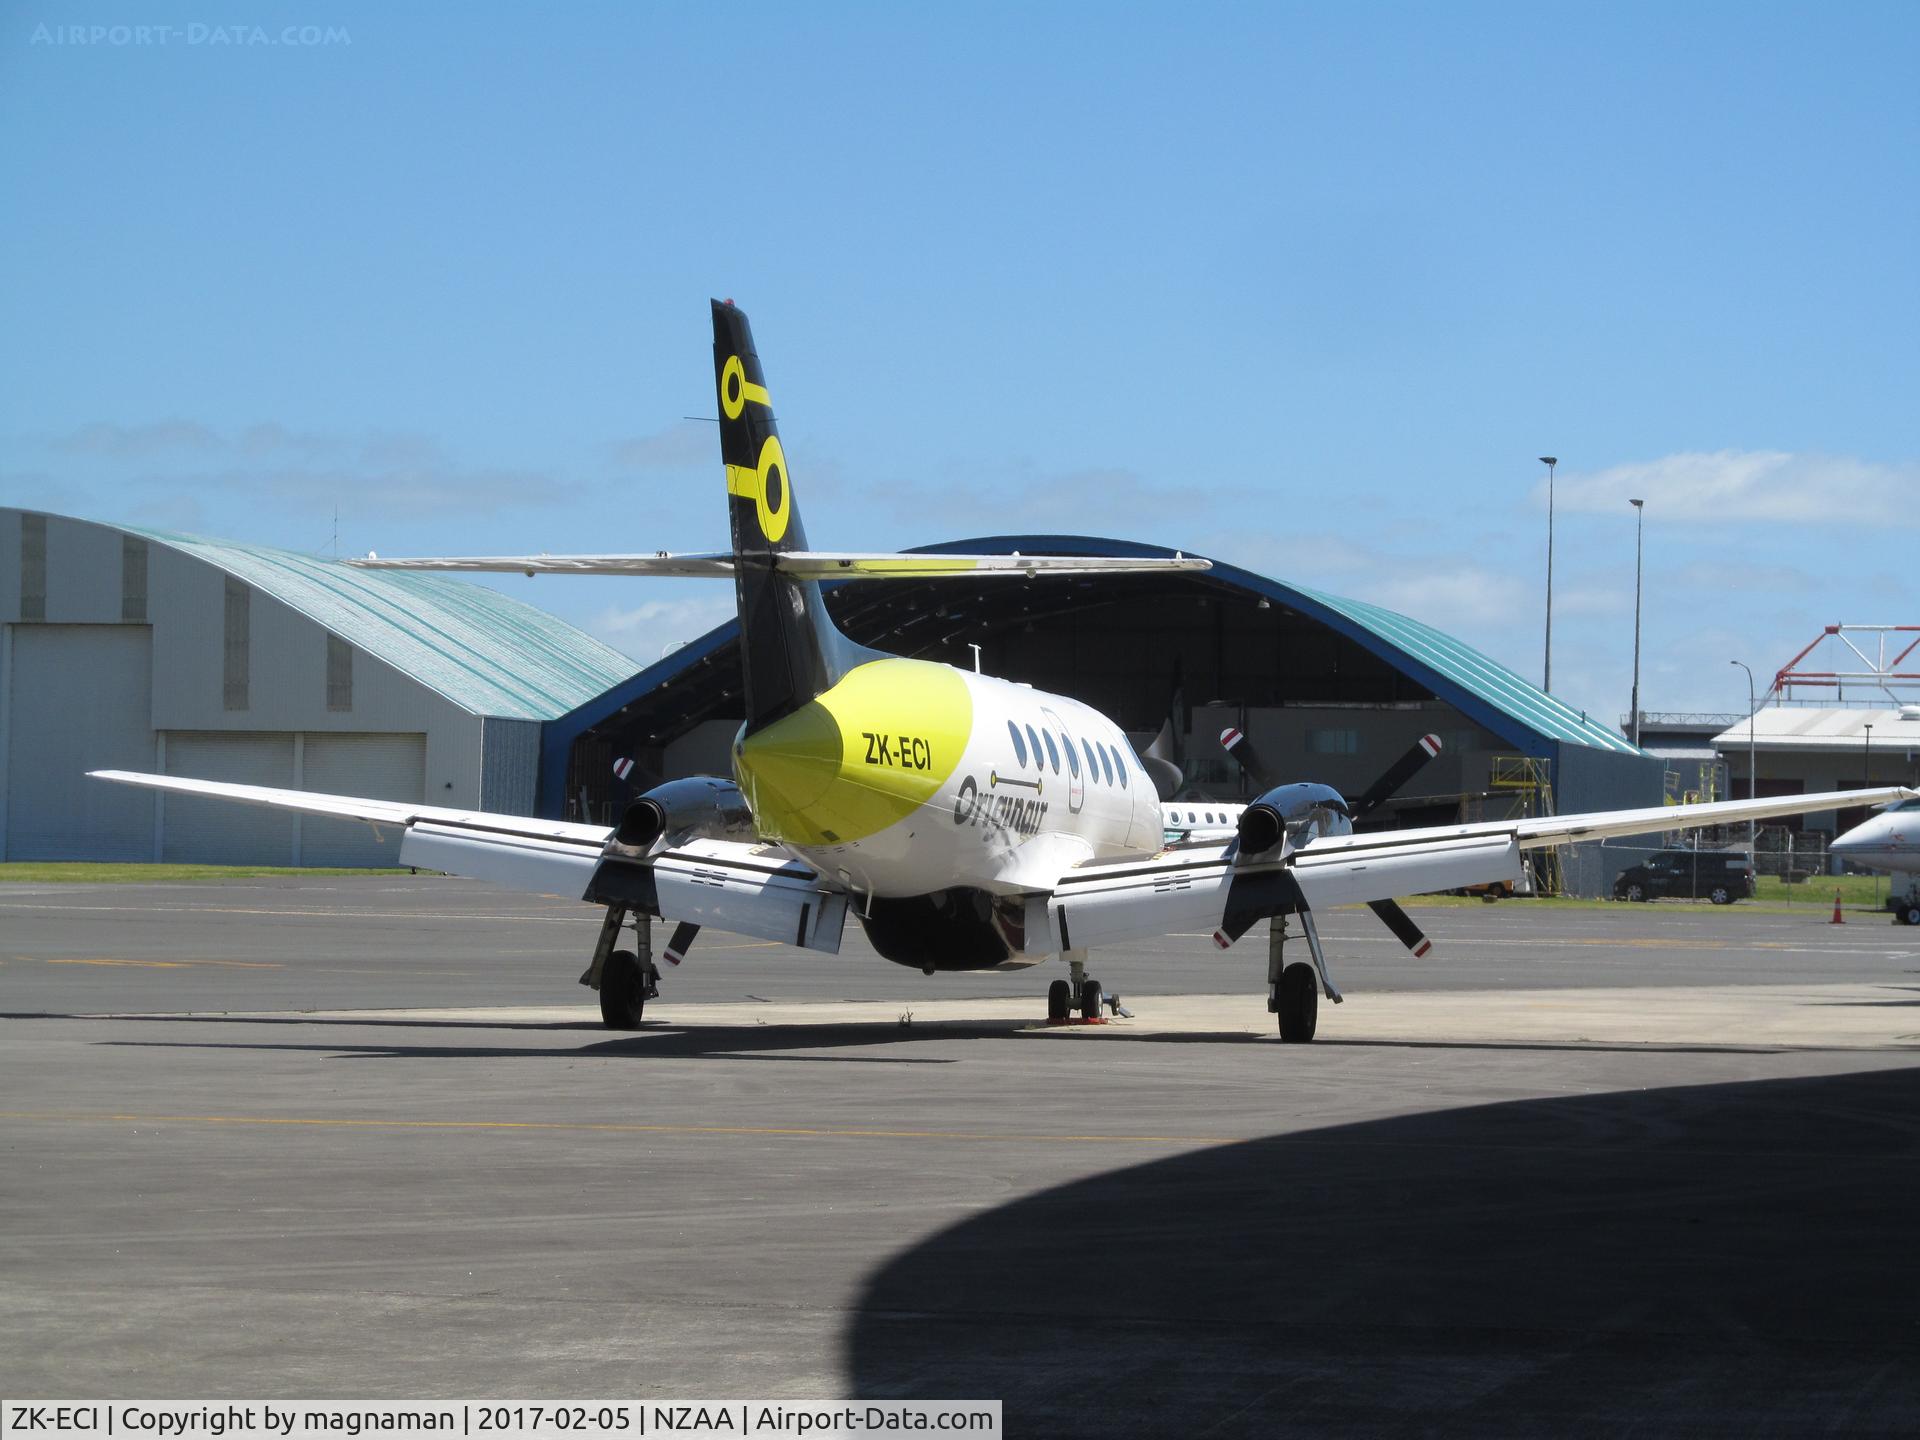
(623, 997)
(1090, 996)
(1720, 895)
(1912, 913)
(1299, 1004)
(1635, 892)
(1059, 1000)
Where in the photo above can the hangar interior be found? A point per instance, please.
(1332, 689)
(124, 648)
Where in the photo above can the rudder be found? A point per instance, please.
(789, 650)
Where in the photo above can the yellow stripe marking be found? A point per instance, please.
(607, 1127)
(168, 964)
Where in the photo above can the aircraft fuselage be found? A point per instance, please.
(909, 777)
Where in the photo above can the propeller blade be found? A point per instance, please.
(1401, 771)
(1401, 924)
(681, 942)
(1236, 744)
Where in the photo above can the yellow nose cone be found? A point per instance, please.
(860, 757)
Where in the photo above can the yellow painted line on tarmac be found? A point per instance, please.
(142, 964)
(164, 964)
(605, 1127)
(389, 917)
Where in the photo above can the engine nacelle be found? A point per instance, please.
(699, 807)
(1268, 821)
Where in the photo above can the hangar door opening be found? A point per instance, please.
(78, 699)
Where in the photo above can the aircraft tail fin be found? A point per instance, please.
(790, 651)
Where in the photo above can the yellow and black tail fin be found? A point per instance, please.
(789, 650)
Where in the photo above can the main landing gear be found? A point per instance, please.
(1293, 991)
(1082, 994)
(626, 979)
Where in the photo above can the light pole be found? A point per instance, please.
(1866, 758)
(1546, 682)
(1753, 777)
(1639, 519)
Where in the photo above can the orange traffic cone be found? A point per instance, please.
(1838, 918)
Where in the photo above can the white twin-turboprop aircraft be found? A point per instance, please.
(969, 823)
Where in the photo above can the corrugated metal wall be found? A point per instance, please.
(509, 766)
(1586, 779)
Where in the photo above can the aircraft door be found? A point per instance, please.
(1076, 778)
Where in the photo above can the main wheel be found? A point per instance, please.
(1720, 895)
(1299, 1003)
(1059, 1000)
(1090, 995)
(623, 991)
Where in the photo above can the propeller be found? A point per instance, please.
(681, 942)
(1401, 924)
(1236, 744)
(1254, 897)
(1398, 773)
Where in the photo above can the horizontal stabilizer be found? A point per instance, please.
(801, 564)
(715, 564)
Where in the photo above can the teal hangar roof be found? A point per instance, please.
(487, 653)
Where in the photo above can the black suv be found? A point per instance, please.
(1722, 876)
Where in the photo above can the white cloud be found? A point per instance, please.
(1728, 486)
(648, 630)
(1450, 596)
(139, 442)
(680, 446)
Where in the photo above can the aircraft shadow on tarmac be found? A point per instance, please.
(1730, 1259)
(663, 1040)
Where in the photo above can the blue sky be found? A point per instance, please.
(1303, 287)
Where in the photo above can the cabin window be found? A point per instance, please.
(1019, 745)
(1073, 759)
(1053, 753)
(1033, 743)
(1093, 765)
(1120, 766)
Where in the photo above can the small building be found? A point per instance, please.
(1799, 750)
(136, 649)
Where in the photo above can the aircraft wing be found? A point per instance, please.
(757, 890)
(806, 564)
(1539, 831)
(1204, 886)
